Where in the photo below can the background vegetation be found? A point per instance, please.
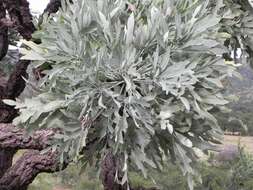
(236, 174)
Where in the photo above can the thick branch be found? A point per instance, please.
(13, 138)
(23, 172)
(20, 16)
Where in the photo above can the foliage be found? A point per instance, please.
(9, 61)
(141, 79)
(239, 24)
(242, 172)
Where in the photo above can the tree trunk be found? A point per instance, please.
(109, 168)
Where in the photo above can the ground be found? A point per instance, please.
(246, 142)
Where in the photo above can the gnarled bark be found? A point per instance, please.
(12, 138)
(20, 16)
(23, 172)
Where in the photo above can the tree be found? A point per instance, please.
(126, 85)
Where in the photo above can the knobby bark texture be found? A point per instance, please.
(16, 138)
(23, 172)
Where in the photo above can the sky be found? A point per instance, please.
(38, 6)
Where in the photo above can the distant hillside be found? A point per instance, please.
(243, 108)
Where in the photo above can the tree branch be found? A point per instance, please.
(23, 172)
(20, 16)
(16, 138)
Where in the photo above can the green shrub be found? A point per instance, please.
(242, 172)
(43, 182)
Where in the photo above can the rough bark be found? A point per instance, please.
(23, 172)
(12, 138)
(20, 16)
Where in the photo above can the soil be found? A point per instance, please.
(245, 141)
